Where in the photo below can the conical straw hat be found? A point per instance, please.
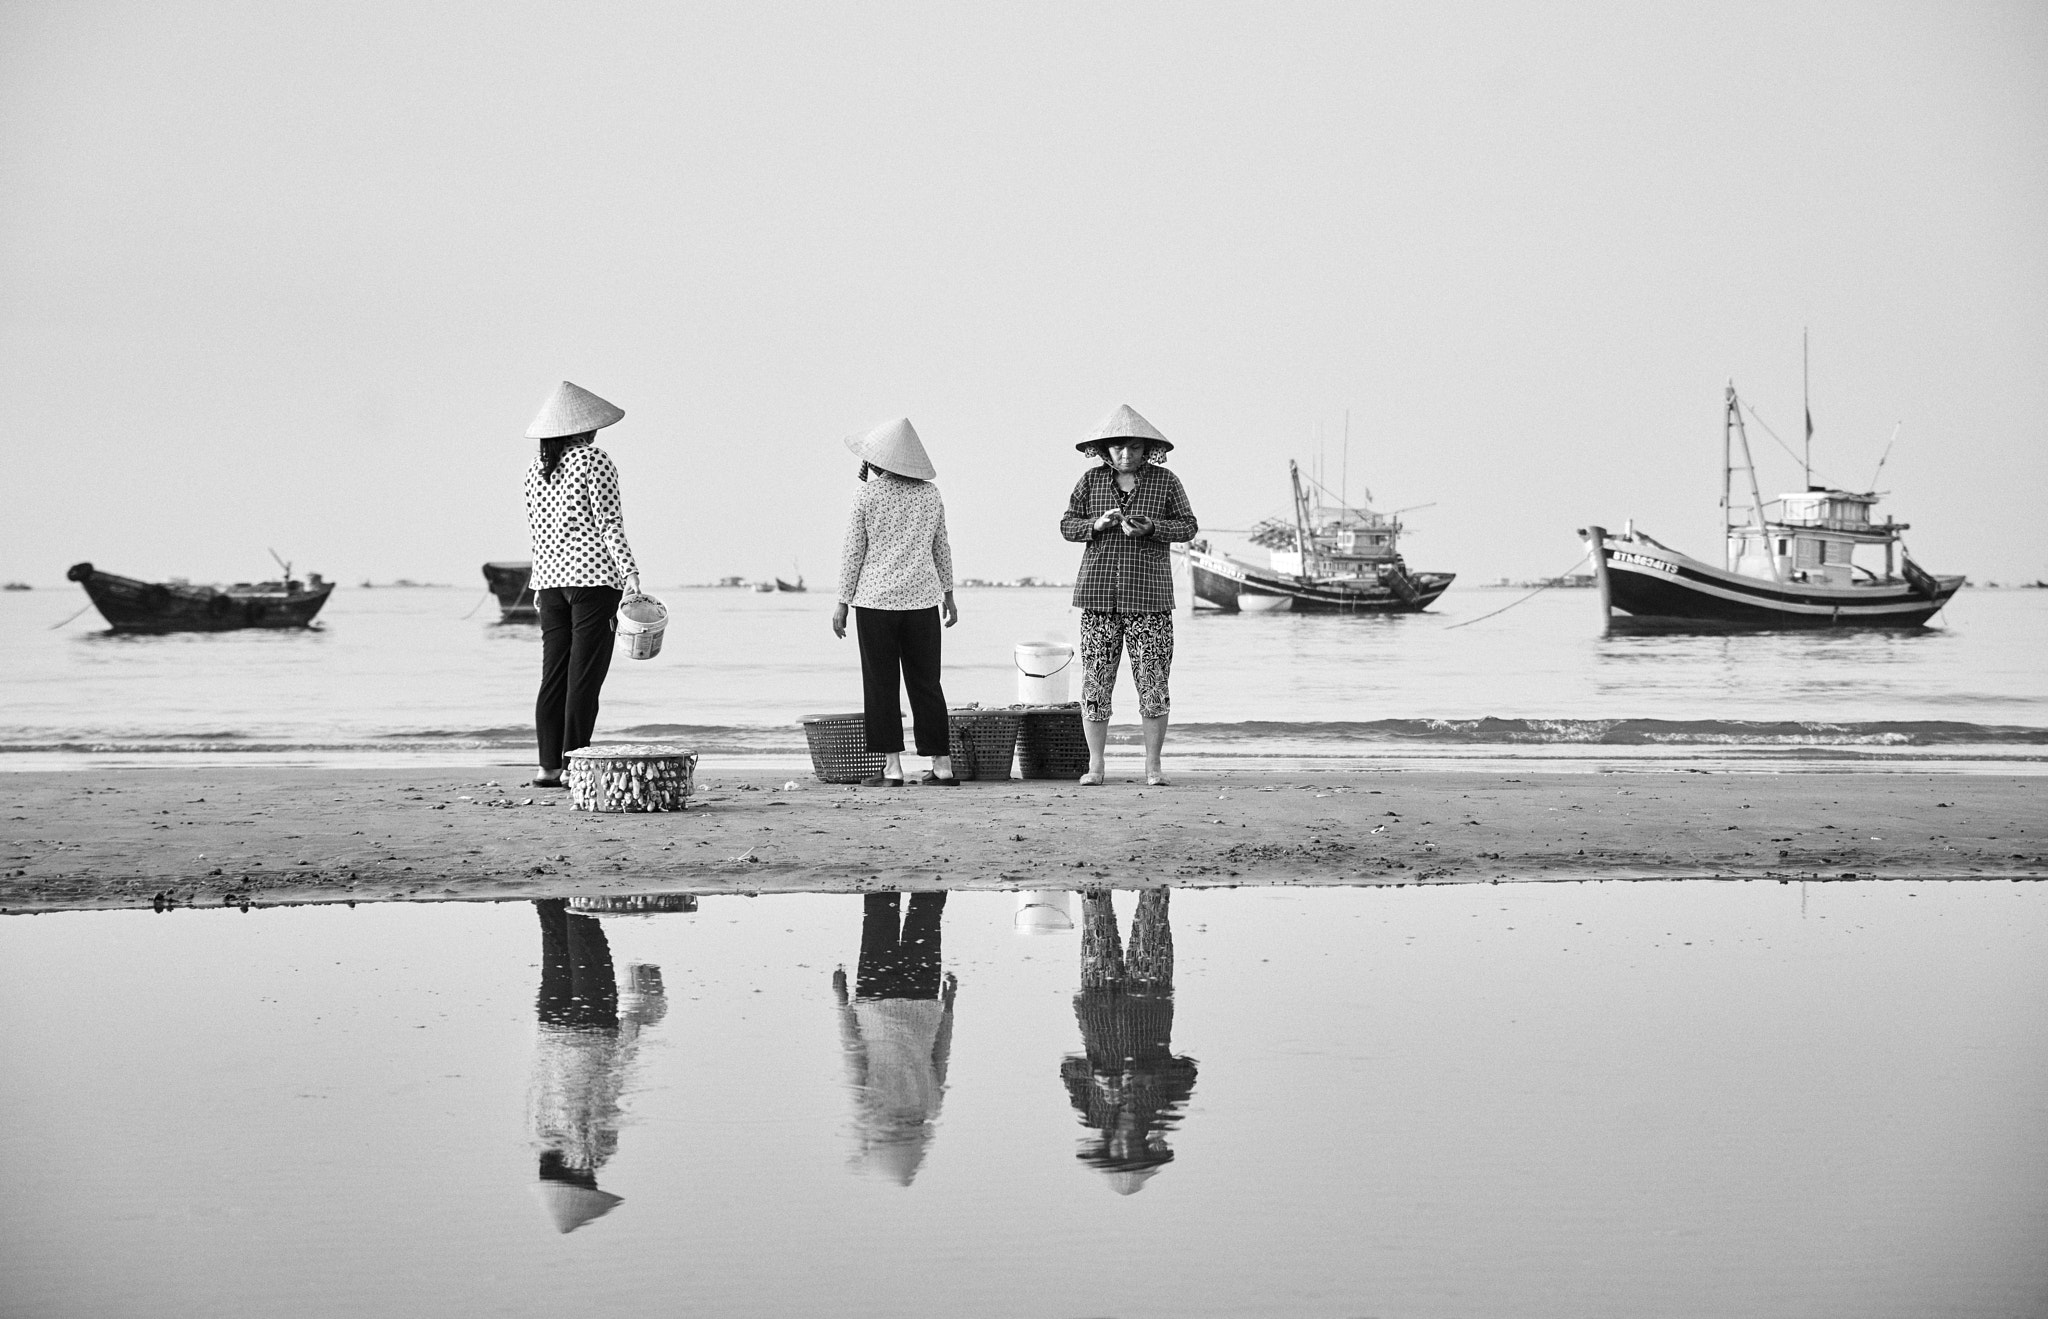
(1128, 1181)
(893, 446)
(569, 1206)
(1126, 424)
(572, 410)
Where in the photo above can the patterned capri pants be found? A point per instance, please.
(1103, 638)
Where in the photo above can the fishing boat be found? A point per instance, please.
(1789, 563)
(129, 605)
(510, 580)
(797, 585)
(1330, 558)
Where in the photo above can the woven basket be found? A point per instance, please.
(650, 776)
(983, 742)
(839, 747)
(1050, 744)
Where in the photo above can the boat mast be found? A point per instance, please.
(1300, 515)
(1756, 495)
(1728, 556)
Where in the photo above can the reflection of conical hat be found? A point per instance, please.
(894, 447)
(570, 1206)
(1128, 1181)
(1125, 424)
(898, 1159)
(572, 410)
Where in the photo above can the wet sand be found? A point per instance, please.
(265, 836)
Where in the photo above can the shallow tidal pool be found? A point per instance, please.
(1561, 1099)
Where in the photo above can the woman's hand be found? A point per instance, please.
(839, 620)
(632, 583)
(948, 611)
(1138, 525)
(1109, 519)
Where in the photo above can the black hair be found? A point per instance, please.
(552, 449)
(1155, 452)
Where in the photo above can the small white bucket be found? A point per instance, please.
(1042, 672)
(640, 623)
(1045, 911)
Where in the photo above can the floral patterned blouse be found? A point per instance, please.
(896, 555)
(578, 524)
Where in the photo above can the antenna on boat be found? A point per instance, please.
(1344, 482)
(1806, 402)
(284, 565)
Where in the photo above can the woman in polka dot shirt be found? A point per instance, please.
(581, 566)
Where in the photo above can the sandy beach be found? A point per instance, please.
(265, 836)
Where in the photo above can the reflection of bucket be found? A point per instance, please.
(1042, 672)
(640, 623)
(1045, 911)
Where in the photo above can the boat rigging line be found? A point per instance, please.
(1750, 408)
(1557, 580)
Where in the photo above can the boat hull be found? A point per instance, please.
(130, 605)
(1227, 585)
(1645, 586)
(509, 580)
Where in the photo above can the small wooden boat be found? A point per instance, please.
(129, 605)
(509, 580)
(1790, 564)
(1331, 559)
(797, 585)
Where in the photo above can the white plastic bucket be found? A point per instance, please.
(1042, 669)
(641, 621)
(1045, 911)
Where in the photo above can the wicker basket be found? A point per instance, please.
(839, 747)
(1050, 744)
(983, 742)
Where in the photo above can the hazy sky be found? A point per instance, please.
(299, 275)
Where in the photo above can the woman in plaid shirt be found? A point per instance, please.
(1127, 511)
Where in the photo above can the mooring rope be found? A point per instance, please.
(1557, 580)
(478, 605)
(73, 619)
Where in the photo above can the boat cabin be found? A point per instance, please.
(1813, 536)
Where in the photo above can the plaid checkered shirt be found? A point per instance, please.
(1128, 574)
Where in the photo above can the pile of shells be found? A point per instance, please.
(636, 904)
(631, 778)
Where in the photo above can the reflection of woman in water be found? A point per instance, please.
(589, 1032)
(1128, 1086)
(897, 1032)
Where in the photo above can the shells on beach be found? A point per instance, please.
(630, 778)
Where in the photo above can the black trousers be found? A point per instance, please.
(905, 643)
(899, 961)
(575, 654)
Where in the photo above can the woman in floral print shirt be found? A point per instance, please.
(896, 569)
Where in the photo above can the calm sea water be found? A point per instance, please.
(1532, 1100)
(412, 672)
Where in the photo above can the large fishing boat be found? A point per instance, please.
(510, 580)
(129, 605)
(1330, 558)
(1789, 562)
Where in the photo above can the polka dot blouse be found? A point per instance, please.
(578, 524)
